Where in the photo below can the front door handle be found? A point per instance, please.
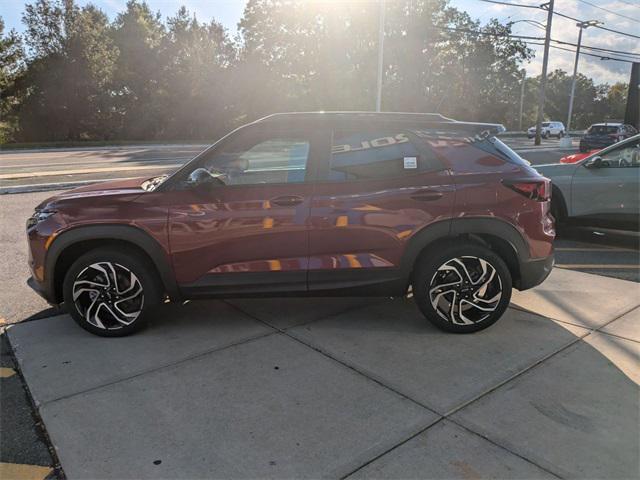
(426, 195)
(287, 200)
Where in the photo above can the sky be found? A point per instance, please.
(229, 12)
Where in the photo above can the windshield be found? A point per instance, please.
(545, 124)
(602, 129)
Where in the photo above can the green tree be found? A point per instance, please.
(138, 34)
(195, 81)
(65, 83)
(11, 64)
(321, 55)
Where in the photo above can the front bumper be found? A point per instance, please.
(534, 272)
(40, 290)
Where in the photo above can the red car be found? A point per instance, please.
(306, 204)
(576, 157)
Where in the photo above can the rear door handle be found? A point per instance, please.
(287, 200)
(426, 195)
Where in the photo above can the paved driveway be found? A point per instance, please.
(309, 388)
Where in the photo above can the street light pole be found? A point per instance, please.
(543, 78)
(581, 26)
(524, 78)
(380, 57)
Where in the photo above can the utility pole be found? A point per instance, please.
(545, 62)
(524, 79)
(581, 26)
(380, 57)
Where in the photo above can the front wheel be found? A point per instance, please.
(109, 292)
(463, 288)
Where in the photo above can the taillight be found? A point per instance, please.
(538, 190)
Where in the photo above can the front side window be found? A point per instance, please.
(627, 155)
(378, 153)
(252, 159)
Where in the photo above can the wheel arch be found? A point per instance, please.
(70, 244)
(500, 236)
(560, 202)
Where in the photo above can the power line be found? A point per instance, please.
(521, 5)
(629, 3)
(609, 11)
(527, 38)
(601, 57)
(512, 4)
(596, 26)
(608, 50)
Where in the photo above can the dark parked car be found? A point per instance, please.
(306, 204)
(600, 135)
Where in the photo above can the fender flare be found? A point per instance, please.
(126, 233)
(449, 229)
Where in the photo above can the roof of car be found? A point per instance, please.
(347, 118)
(607, 124)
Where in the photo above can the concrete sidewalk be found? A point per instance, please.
(309, 388)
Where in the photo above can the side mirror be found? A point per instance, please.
(201, 179)
(595, 162)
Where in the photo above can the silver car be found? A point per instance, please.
(600, 190)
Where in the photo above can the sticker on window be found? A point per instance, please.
(410, 162)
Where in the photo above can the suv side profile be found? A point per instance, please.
(601, 135)
(548, 129)
(306, 204)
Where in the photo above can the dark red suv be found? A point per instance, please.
(306, 204)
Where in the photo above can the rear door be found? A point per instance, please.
(380, 185)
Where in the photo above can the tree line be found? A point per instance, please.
(73, 74)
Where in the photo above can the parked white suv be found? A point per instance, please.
(548, 129)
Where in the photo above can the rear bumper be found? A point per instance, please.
(590, 144)
(534, 272)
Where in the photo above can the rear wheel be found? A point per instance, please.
(463, 288)
(110, 292)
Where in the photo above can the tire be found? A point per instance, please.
(443, 268)
(116, 307)
(545, 135)
(558, 212)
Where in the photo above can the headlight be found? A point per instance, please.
(38, 216)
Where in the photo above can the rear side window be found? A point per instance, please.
(496, 147)
(602, 129)
(378, 153)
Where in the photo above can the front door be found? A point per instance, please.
(609, 193)
(250, 232)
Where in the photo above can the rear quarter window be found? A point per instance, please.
(378, 153)
(496, 147)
